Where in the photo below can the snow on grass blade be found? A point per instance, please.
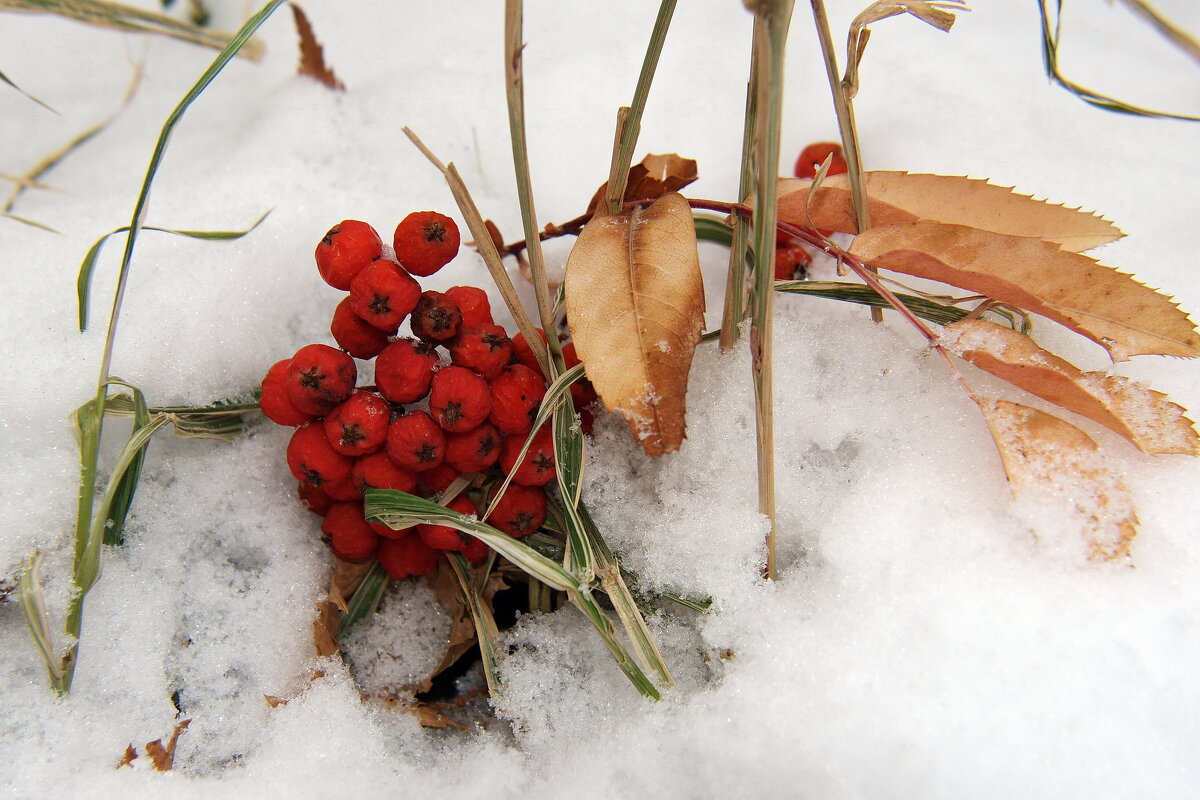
(485, 624)
(84, 282)
(394, 508)
(365, 600)
(33, 605)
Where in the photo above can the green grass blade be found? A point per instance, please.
(608, 634)
(711, 229)
(114, 527)
(485, 624)
(225, 420)
(83, 282)
(33, 606)
(365, 600)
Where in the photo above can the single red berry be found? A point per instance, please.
(345, 249)
(350, 536)
(438, 479)
(359, 425)
(475, 551)
(354, 334)
(444, 537)
(812, 157)
(459, 399)
(474, 450)
(319, 378)
(345, 489)
(537, 468)
(383, 295)
(425, 241)
(404, 370)
(474, 304)
(415, 442)
(275, 401)
(516, 394)
(436, 318)
(583, 394)
(407, 557)
(314, 498)
(791, 263)
(520, 511)
(378, 471)
(486, 349)
(523, 353)
(310, 457)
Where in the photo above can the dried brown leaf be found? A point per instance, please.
(162, 757)
(635, 304)
(1044, 454)
(462, 636)
(312, 55)
(347, 577)
(1123, 316)
(430, 715)
(127, 759)
(1145, 417)
(954, 199)
(325, 625)
(655, 176)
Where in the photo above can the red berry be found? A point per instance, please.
(520, 512)
(310, 457)
(275, 401)
(436, 318)
(378, 471)
(425, 241)
(354, 334)
(444, 537)
(345, 489)
(314, 498)
(583, 394)
(359, 425)
(319, 378)
(347, 248)
(812, 157)
(415, 442)
(407, 557)
(350, 536)
(475, 551)
(537, 468)
(791, 262)
(438, 479)
(516, 394)
(486, 349)
(523, 353)
(383, 295)
(475, 450)
(459, 399)
(474, 304)
(404, 370)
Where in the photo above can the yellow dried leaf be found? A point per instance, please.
(635, 304)
(1145, 417)
(1123, 316)
(1042, 453)
(953, 199)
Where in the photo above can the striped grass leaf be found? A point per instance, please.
(114, 525)
(84, 281)
(485, 624)
(365, 600)
(33, 606)
(586, 603)
(225, 419)
(394, 508)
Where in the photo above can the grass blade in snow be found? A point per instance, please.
(30, 596)
(365, 600)
(224, 419)
(485, 624)
(608, 634)
(114, 525)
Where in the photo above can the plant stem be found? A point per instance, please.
(631, 125)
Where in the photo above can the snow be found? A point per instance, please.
(928, 635)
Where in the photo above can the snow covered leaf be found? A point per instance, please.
(1044, 455)
(954, 199)
(1123, 316)
(312, 55)
(635, 304)
(1145, 417)
(657, 175)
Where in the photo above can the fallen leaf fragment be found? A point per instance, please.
(635, 304)
(952, 199)
(1043, 454)
(325, 625)
(462, 636)
(656, 175)
(312, 55)
(1145, 417)
(162, 757)
(1111, 308)
(347, 577)
(127, 759)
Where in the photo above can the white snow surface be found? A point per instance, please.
(928, 635)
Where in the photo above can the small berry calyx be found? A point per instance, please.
(436, 318)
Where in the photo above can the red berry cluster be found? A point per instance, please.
(425, 422)
(791, 257)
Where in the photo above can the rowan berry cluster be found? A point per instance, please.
(458, 397)
(792, 259)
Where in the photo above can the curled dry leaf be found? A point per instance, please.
(635, 304)
(1044, 454)
(1145, 417)
(938, 13)
(655, 176)
(1123, 316)
(954, 199)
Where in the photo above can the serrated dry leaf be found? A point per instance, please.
(656, 175)
(635, 304)
(325, 626)
(1043, 453)
(1145, 417)
(1123, 316)
(312, 56)
(953, 199)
